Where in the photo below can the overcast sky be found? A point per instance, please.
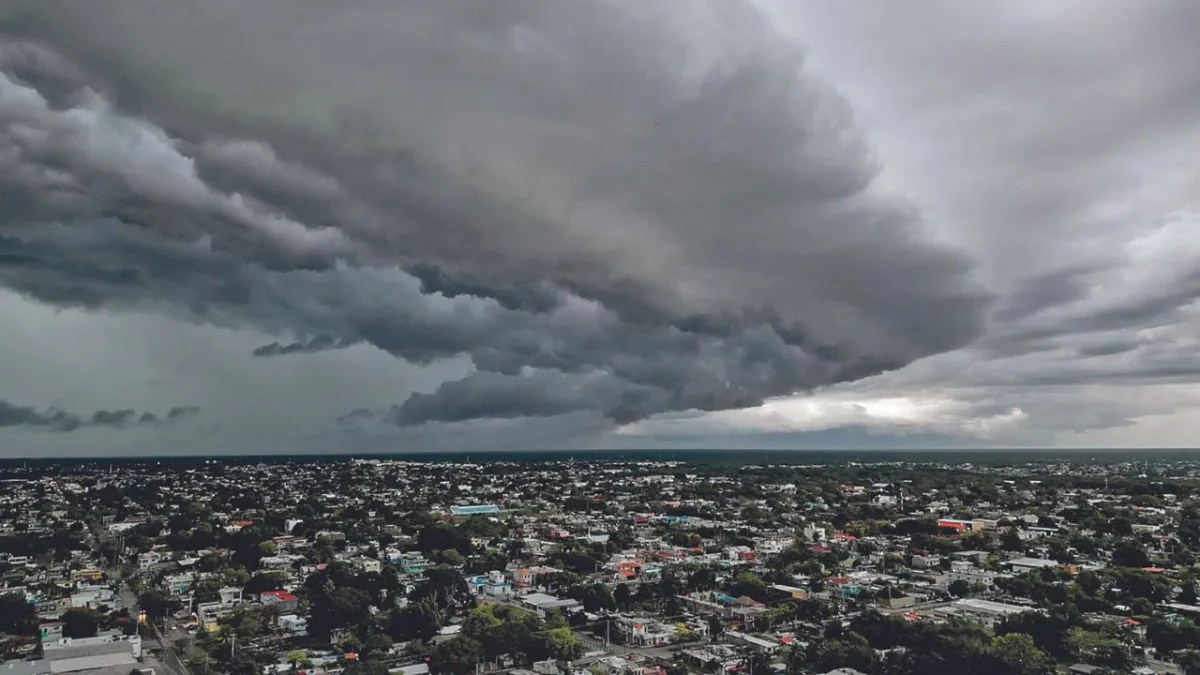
(291, 226)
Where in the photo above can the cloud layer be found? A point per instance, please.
(600, 205)
(53, 419)
(615, 222)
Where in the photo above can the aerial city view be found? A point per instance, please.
(599, 337)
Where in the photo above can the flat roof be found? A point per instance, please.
(70, 665)
(991, 607)
(474, 508)
(538, 599)
(1032, 562)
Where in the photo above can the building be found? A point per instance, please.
(474, 510)
(230, 595)
(493, 584)
(113, 653)
(986, 612)
(725, 606)
(296, 625)
(178, 584)
(644, 632)
(966, 525)
(542, 603)
(284, 602)
(756, 644)
(209, 613)
(1028, 564)
(411, 563)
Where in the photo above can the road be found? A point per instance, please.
(166, 660)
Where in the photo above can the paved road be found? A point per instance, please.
(167, 661)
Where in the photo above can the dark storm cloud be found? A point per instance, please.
(183, 412)
(52, 419)
(319, 343)
(609, 207)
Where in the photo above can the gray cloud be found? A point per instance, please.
(592, 213)
(608, 207)
(53, 419)
(318, 343)
(183, 412)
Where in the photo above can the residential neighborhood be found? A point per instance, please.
(608, 567)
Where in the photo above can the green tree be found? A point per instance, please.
(458, 656)
(365, 668)
(563, 645)
(554, 619)
(484, 626)
(1129, 554)
(849, 651)
(748, 584)
(157, 604)
(1189, 661)
(597, 597)
(377, 646)
(443, 585)
(206, 590)
(417, 621)
(1011, 540)
(623, 596)
(17, 616)
(298, 659)
(80, 622)
(441, 536)
(339, 607)
(1019, 655)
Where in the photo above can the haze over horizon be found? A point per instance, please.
(289, 226)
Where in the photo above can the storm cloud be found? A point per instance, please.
(614, 222)
(600, 206)
(53, 419)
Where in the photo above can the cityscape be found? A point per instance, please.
(599, 337)
(604, 567)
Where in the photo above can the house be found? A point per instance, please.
(412, 563)
(368, 565)
(296, 625)
(542, 603)
(178, 584)
(93, 597)
(1028, 564)
(91, 575)
(50, 631)
(493, 584)
(284, 602)
(925, 561)
(149, 559)
(986, 612)
(644, 632)
(965, 525)
(756, 644)
(230, 595)
(209, 613)
(474, 510)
